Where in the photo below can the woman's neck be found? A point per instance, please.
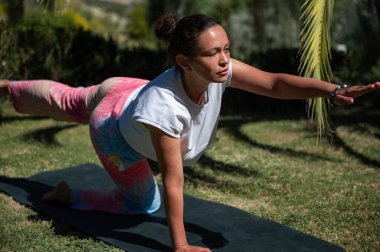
(194, 89)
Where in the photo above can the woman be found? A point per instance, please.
(171, 119)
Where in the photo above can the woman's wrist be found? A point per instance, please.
(334, 92)
(179, 241)
(178, 247)
(338, 87)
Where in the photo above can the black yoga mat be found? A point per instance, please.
(217, 226)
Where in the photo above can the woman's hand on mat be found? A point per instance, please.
(189, 248)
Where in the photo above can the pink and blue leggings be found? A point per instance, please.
(136, 190)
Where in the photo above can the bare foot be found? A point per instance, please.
(60, 195)
(4, 87)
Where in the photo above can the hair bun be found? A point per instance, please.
(165, 26)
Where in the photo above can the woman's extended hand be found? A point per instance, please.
(189, 248)
(346, 96)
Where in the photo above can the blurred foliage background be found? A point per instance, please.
(84, 42)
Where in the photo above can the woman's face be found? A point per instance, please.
(212, 55)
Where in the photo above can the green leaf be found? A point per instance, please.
(316, 55)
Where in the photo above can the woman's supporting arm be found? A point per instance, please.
(169, 159)
(170, 162)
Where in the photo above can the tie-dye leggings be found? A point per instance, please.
(136, 190)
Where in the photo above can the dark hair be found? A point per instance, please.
(182, 34)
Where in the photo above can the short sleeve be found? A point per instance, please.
(157, 110)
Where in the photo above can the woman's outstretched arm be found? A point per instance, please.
(285, 86)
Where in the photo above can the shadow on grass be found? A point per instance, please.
(233, 127)
(9, 119)
(360, 157)
(347, 117)
(352, 117)
(377, 135)
(223, 184)
(47, 135)
(355, 118)
(227, 168)
(195, 177)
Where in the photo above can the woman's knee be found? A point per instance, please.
(102, 90)
(106, 86)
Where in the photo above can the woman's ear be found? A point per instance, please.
(183, 62)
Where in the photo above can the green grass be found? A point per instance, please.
(269, 166)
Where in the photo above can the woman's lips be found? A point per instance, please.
(223, 73)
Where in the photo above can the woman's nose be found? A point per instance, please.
(224, 58)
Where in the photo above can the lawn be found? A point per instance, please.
(269, 166)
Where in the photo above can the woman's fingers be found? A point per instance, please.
(343, 100)
(370, 87)
(347, 96)
(356, 91)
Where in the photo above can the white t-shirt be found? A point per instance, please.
(163, 103)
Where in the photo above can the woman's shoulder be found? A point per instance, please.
(158, 104)
(166, 78)
(162, 92)
(164, 86)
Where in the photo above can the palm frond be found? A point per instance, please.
(315, 56)
(55, 6)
